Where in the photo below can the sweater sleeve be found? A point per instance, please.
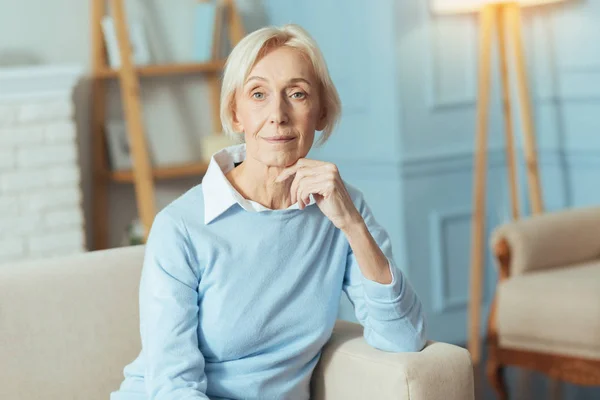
(391, 314)
(174, 367)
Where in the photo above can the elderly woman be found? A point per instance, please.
(243, 274)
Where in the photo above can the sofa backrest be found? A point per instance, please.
(69, 325)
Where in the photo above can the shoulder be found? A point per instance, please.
(187, 209)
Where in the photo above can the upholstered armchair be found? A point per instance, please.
(546, 311)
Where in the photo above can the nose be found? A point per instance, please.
(279, 111)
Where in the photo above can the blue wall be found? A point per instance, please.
(358, 42)
(408, 81)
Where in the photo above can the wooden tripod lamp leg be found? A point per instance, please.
(508, 120)
(478, 225)
(130, 93)
(98, 112)
(513, 20)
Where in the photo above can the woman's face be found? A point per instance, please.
(278, 108)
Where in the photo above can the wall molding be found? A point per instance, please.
(571, 80)
(438, 220)
(571, 158)
(466, 98)
(441, 162)
(366, 168)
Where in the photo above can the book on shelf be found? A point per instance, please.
(137, 38)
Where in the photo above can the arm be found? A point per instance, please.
(440, 372)
(174, 366)
(390, 312)
(550, 240)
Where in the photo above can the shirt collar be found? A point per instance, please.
(219, 194)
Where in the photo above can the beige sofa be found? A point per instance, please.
(68, 326)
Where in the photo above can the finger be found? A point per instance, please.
(293, 196)
(304, 192)
(294, 188)
(315, 186)
(286, 173)
(311, 185)
(301, 170)
(300, 164)
(301, 174)
(299, 197)
(298, 188)
(327, 171)
(321, 177)
(302, 202)
(307, 162)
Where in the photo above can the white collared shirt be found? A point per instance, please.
(219, 194)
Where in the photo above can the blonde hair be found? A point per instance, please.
(255, 46)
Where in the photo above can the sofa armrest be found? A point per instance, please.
(351, 369)
(551, 240)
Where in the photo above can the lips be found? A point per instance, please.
(280, 139)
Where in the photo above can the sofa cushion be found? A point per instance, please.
(555, 311)
(69, 325)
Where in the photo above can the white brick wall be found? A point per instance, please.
(48, 155)
(21, 135)
(65, 241)
(60, 132)
(43, 111)
(63, 198)
(7, 159)
(63, 218)
(12, 248)
(8, 115)
(9, 205)
(40, 194)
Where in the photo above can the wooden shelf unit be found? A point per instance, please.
(172, 172)
(142, 174)
(167, 69)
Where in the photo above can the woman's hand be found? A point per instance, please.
(323, 181)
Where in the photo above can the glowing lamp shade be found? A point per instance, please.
(467, 6)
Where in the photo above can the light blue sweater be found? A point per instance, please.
(239, 306)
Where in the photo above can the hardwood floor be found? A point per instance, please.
(530, 385)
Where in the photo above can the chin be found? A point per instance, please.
(280, 159)
(285, 161)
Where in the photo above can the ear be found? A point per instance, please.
(237, 125)
(322, 120)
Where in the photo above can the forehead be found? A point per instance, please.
(283, 63)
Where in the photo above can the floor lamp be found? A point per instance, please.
(504, 18)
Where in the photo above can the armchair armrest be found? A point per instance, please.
(551, 240)
(351, 369)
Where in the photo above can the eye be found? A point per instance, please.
(298, 95)
(258, 95)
